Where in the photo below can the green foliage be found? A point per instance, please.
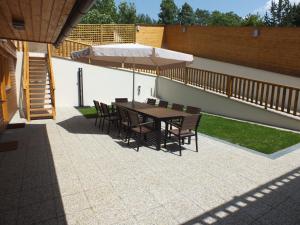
(202, 17)
(218, 18)
(104, 11)
(253, 20)
(186, 15)
(168, 12)
(283, 14)
(144, 19)
(126, 13)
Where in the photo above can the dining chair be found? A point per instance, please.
(137, 127)
(124, 121)
(163, 104)
(187, 129)
(151, 101)
(111, 117)
(99, 112)
(177, 107)
(121, 100)
(193, 110)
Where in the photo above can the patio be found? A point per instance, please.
(67, 172)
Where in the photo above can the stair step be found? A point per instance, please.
(36, 58)
(39, 109)
(39, 104)
(30, 84)
(45, 98)
(39, 93)
(39, 89)
(42, 116)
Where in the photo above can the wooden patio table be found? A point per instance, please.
(158, 114)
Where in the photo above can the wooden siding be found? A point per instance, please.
(8, 97)
(150, 35)
(43, 19)
(275, 49)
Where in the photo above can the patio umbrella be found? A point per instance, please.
(133, 54)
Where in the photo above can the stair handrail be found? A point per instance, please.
(51, 78)
(26, 78)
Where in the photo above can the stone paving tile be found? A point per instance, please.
(67, 172)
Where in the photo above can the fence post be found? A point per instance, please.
(186, 73)
(229, 86)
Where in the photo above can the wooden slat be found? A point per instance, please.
(296, 102)
(289, 100)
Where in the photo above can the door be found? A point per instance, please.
(3, 102)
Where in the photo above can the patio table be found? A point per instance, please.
(158, 114)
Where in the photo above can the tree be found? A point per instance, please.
(280, 14)
(202, 17)
(144, 19)
(295, 15)
(104, 11)
(186, 15)
(218, 18)
(253, 20)
(127, 13)
(168, 12)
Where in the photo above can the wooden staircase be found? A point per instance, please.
(39, 86)
(39, 89)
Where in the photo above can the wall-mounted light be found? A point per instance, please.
(138, 28)
(184, 29)
(256, 33)
(18, 24)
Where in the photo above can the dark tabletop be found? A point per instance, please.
(153, 111)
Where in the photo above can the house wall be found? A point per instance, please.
(99, 83)
(150, 35)
(275, 49)
(8, 99)
(173, 91)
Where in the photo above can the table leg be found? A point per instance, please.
(158, 133)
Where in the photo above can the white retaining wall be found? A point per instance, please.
(99, 83)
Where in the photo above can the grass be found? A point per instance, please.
(259, 138)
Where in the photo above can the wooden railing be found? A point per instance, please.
(264, 94)
(26, 79)
(96, 34)
(19, 45)
(51, 80)
(67, 47)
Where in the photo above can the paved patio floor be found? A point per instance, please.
(67, 172)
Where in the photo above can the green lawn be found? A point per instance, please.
(260, 138)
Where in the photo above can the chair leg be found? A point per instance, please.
(100, 122)
(108, 128)
(165, 139)
(196, 139)
(189, 140)
(139, 141)
(129, 136)
(103, 123)
(96, 121)
(179, 141)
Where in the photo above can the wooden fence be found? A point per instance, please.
(103, 33)
(268, 95)
(67, 47)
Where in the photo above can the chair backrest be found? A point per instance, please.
(190, 122)
(123, 114)
(133, 118)
(177, 107)
(97, 106)
(151, 101)
(105, 109)
(121, 100)
(163, 104)
(193, 110)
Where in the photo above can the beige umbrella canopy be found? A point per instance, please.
(134, 54)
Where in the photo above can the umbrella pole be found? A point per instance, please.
(133, 83)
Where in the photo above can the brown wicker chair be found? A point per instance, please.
(163, 104)
(187, 129)
(151, 101)
(193, 110)
(121, 100)
(99, 113)
(137, 127)
(111, 117)
(124, 121)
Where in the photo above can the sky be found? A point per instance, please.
(240, 7)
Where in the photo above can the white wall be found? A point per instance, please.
(99, 83)
(173, 91)
(246, 72)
